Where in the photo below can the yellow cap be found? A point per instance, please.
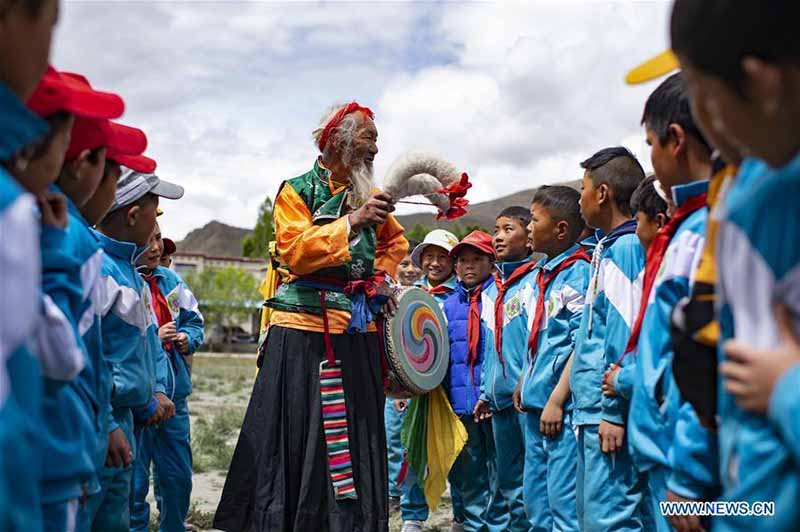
(159, 211)
(655, 67)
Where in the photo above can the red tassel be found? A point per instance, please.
(401, 476)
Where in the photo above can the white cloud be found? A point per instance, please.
(228, 93)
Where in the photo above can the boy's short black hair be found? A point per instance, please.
(669, 104)
(619, 169)
(562, 203)
(412, 244)
(714, 35)
(521, 214)
(645, 199)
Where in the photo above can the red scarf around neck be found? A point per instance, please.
(474, 329)
(655, 256)
(160, 304)
(502, 287)
(543, 280)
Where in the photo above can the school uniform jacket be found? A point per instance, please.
(129, 331)
(499, 381)
(186, 314)
(565, 297)
(658, 413)
(612, 303)
(759, 267)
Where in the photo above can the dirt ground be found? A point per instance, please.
(222, 386)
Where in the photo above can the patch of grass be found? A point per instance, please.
(197, 517)
(212, 440)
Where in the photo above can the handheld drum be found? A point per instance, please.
(415, 344)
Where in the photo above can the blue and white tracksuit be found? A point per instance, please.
(499, 381)
(550, 463)
(659, 415)
(473, 474)
(609, 492)
(133, 351)
(758, 262)
(413, 506)
(20, 285)
(167, 446)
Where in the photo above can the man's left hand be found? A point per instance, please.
(390, 307)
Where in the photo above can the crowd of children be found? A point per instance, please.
(587, 379)
(96, 336)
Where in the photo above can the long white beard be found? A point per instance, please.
(361, 176)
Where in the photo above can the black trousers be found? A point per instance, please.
(279, 479)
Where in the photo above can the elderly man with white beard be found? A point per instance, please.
(311, 455)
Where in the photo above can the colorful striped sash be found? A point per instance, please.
(334, 423)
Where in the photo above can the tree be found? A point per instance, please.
(256, 244)
(227, 297)
(418, 233)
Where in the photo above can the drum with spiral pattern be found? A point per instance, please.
(415, 345)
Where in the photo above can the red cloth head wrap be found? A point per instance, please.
(334, 122)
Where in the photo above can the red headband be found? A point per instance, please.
(334, 122)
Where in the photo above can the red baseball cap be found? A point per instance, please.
(63, 91)
(479, 240)
(140, 163)
(169, 247)
(90, 134)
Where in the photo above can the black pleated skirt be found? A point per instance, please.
(279, 480)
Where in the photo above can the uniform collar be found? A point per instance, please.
(324, 175)
(507, 268)
(624, 228)
(550, 264)
(451, 283)
(681, 193)
(18, 126)
(127, 251)
(463, 290)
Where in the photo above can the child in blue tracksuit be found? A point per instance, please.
(756, 247)
(543, 392)
(167, 446)
(432, 256)
(658, 413)
(608, 490)
(394, 410)
(472, 475)
(69, 407)
(130, 340)
(506, 311)
(20, 284)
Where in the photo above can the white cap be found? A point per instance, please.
(438, 237)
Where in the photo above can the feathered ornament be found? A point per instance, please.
(418, 173)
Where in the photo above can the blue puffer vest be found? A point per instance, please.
(463, 386)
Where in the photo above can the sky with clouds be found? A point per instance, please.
(517, 94)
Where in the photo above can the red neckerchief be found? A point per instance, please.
(655, 256)
(502, 287)
(438, 290)
(543, 280)
(474, 329)
(160, 304)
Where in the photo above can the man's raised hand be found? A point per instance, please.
(373, 212)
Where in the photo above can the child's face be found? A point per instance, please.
(152, 257)
(43, 169)
(89, 173)
(663, 156)
(473, 267)
(165, 261)
(142, 219)
(510, 240)
(754, 124)
(646, 227)
(407, 272)
(103, 198)
(436, 264)
(25, 44)
(545, 234)
(590, 201)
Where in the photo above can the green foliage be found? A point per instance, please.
(213, 441)
(256, 244)
(226, 296)
(419, 231)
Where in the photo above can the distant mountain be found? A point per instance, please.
(218, 239)
(215, 239)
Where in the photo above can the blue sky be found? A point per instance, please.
(515, 93)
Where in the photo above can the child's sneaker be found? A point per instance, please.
(457, 526)
(411, 526)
